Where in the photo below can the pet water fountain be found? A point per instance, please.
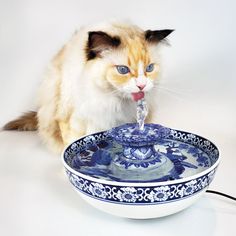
(141, 170)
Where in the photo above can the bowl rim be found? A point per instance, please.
(140, 184)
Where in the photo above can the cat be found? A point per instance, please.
(92, 83)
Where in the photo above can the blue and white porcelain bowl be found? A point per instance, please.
(141, 182)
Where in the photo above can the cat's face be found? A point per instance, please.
(129, 59)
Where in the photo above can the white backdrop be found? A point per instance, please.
(198, 95)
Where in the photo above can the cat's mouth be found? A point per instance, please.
(137, 96)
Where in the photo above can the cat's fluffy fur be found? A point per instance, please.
(82, 91)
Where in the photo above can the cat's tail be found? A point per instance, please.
(27, 122)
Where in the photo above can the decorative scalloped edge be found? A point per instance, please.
(185, 137)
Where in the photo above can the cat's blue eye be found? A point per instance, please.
(150, 68)
(123, 69)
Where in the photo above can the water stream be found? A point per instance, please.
(142, 111)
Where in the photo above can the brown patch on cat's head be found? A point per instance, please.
(155, 36)
(137, 52)
(99, 41)
(133, 51)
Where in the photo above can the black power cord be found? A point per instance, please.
(222, 194)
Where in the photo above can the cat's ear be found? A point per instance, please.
(155, 36)
(98, 42)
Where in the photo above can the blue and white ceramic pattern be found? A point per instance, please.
(140, 195)
(131, 135)
(163, 180)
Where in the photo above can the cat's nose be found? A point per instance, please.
(141, 86)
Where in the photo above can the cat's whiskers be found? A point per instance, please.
(169, 91)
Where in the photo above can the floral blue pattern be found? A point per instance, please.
(129, 134)
(140, 195)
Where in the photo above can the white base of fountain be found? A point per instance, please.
(142, 211)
